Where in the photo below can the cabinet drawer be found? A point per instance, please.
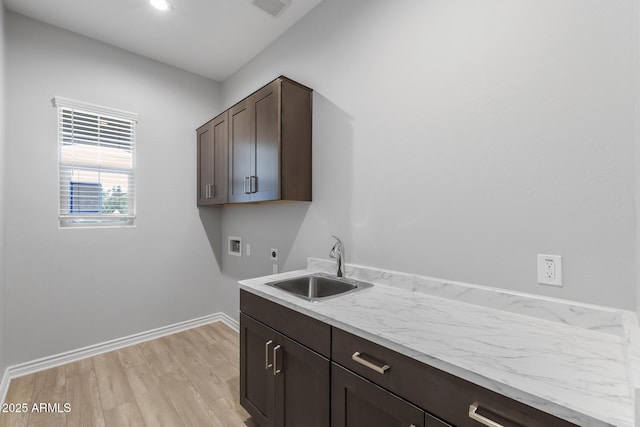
(310, 332)
(439, 393)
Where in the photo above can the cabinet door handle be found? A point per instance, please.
(253, 184)
(379, 369)
(245, 185)
(479, 418)
(212, 191)
(276, 371)
(267, 365)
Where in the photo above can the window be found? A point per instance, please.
(96, 155)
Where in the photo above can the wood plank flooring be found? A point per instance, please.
(186, 379)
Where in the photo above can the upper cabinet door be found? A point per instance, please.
(240, 147)
(265, 147)
(205, 164)
(220, 132)
(213, 145)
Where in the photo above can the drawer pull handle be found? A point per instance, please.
(267, 365)
(276, 370)
(479, 418)
(379, 369)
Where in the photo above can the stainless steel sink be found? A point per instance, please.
(319, 287)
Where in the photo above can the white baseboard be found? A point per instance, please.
(229, 321)
(48, 362)
(4, 385)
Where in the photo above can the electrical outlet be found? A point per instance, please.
(274, 254)
(247, 249)
(550, 270)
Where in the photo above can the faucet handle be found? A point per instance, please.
(339, 246)
(337, 253)
(332, 254)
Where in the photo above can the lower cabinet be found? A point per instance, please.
(297, 371)
(357, 402)
(282, 383)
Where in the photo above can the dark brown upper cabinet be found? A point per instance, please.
(270, 144)
(213, 148)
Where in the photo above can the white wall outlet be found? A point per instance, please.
(247, 249)
(550, 270)
(274, 254)
(235, 246)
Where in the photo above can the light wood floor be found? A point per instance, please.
(186, 379)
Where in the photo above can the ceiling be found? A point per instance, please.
(212, 38)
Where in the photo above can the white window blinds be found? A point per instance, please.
(96, 152)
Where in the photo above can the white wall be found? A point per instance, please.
(68, 288)
(2, 202)
(458, 140)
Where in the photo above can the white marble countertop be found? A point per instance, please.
(572, 360)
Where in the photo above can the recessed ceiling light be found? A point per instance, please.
(160, 4)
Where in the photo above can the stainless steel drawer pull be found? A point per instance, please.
(379, 369)
(267, 365)
(479, 418)
(246, 178)
(276, 371)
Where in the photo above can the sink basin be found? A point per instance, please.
(319, 287)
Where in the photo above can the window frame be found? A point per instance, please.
(94, 219)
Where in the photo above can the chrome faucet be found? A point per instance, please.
(337, 253)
